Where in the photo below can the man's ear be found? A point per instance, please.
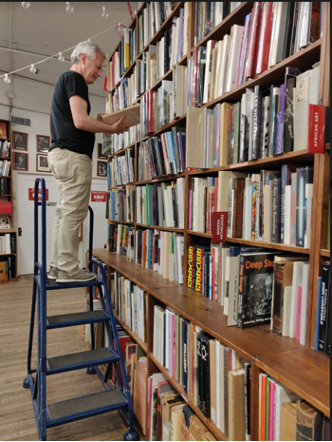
(83, 58)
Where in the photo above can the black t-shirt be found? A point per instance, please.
(63, 131)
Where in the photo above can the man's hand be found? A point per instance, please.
(119, 126)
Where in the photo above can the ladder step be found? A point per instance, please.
(85, 406)
(72, 319)
(76, 361)
(53, 285)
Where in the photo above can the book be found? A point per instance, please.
(309, 422)
(132, 115)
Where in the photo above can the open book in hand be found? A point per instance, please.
(132, 114)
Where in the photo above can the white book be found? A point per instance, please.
(308, 204)
(276, 14)
(209, 47)
(224, 65)
(288, 214)
(234, 263)
(286, 311)
(222, 390)
(305, 19)
(301, 110)
(282, 394)
(234, 56)
(219, 13)
(224, 255)
(296, 281)
(218, 68)
(304, 303)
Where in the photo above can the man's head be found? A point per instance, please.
(89, 60)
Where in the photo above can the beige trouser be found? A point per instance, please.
(73, 173)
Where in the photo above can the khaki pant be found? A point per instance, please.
(73, 174)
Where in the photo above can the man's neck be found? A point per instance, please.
(76, 68)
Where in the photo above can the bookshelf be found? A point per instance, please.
(300, 368)
(6, 198)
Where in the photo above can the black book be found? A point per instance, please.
(255, 289)
(204, 374)
(276, 209)
(201, 67)
(175, 207)
(139, 246)
(12, 243)
(155, 203)
(185, 323)
(247, 396)
(323, 308)
(285, 31)
(304, 177)
(256, 129)
(296, 17)
(226, 9)
(290, 84)
(328, 318)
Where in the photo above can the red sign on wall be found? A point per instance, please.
(32, 194)
(98, 196)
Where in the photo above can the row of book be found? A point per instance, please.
(272, 206)
(284, 416)
(4, 222)
(162, 155)
(120, 239)
(4, 149)
(214, 377)
(125, 94)
(323, 308)
(272, 32)
(7, 268)
(121, 204)
(115, 142)
(5, 166)
(161, 204)
(7, 243)
(160, 251)
(208, 15)
(123, 57)
(4, 186)
(129, 302)
(267, 121)
(121, 169)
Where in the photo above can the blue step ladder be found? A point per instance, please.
(53, 415)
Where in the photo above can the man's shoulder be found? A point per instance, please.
(69, 76)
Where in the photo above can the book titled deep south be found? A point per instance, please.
(255, 289)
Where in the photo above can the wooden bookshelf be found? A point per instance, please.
(301, 368)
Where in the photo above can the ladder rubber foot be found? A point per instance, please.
(91, 370)
(131, 435)
(26, 383)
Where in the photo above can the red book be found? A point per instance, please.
(254, 40)
(316, 129)
(105, 84)
(113, 72)
(219, 226)
(6, 207)
(265, 38)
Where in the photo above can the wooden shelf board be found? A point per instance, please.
(7, 254)
(132, 334)
(162, 178)
(325, 252)
(167, 229)
(147, 279)
(7, 231)
(121, 151)
(301, 59)
(119, 222)
(169, 126)
(301, 156)
(179, 388)
(203, 235)
(122, 185)
(5, 195)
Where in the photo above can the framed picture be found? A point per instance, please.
(101, 155)
(102, 168)
(43, 143)
(20, 140)
(21, 161)
(42, 163)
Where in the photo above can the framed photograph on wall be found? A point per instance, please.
(20, 140)
(43, 143)
(101, 155)
(21, 161)
(42, 163)
(102, 168)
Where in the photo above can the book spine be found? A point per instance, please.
(205, 377)
(280, 122)
(323, 309)
(256, 124)
(276, 210)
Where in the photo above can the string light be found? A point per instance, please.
(104, 13)
(69, 7)
(26, 5)
(7, 79)
(33, 69)
(61, 57)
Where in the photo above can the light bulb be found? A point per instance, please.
(7, 79)
(61, 57)
(26, 5)
(69, 7)
(33, 69)
(104, 13)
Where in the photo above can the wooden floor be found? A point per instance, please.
(17, 420)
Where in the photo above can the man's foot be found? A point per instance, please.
(81, 276)
(53, 273)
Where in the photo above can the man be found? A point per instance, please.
(70, 154)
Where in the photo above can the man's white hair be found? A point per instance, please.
(88, 48)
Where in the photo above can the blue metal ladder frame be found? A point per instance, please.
(36, 377)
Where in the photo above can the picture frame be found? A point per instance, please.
(101, 155)
(43, 143)
(42, 163)
(102, 168)
(20, 140)
(21, 161)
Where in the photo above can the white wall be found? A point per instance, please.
(32, 100)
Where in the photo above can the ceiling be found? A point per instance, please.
(46, 29)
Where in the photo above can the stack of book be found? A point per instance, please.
(5, 167)
(267, 121)
(162, 155)
(4, 186)
(322, 332)
(121, 169)
(122, 58)
(7, 267)
(161, 204)
(160, 251)
(4, 149)
(129, 302)
(120, 239)
(121, 204)
(215, 378)
(7, 244)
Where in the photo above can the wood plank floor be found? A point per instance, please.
(17, 420)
